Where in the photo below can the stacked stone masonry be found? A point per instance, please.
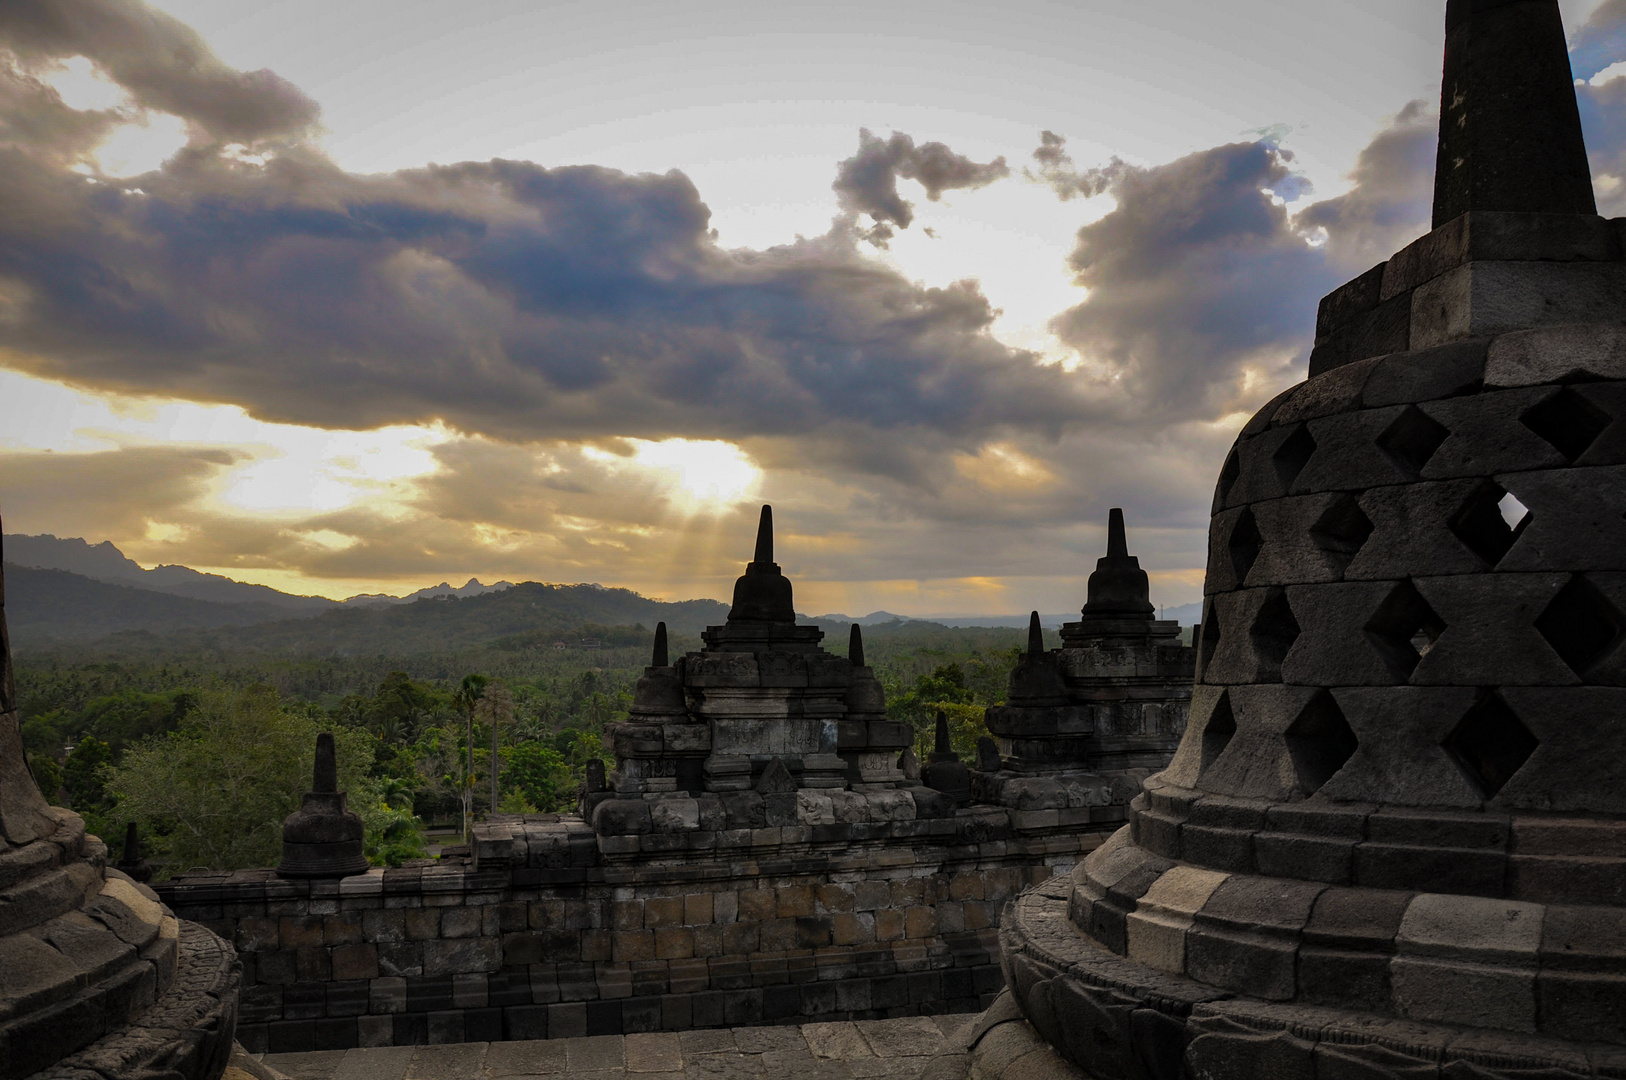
(778, 934)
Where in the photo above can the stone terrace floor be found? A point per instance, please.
(897, 1049)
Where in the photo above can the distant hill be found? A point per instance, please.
(529, 615)
(104, 562)
(470, 588)
(53, 606)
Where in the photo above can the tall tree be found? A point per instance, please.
(467, 696)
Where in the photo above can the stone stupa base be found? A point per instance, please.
(1116, 1018)
(185, 1035)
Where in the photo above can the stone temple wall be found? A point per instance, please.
(769, 925)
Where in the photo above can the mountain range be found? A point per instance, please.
(67, 591)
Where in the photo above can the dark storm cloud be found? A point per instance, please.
(111, 492)
(502, 297)
(867, 182)
(1196, 275)
(1391, 202)
(1203, 285)
(1056, 168)
(162, 62)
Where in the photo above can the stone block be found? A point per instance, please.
(674, 942)
(1337, 391)
(1587, 1007)
(567, 1020)
(355, 962)
(1426, 374)
(422, 924)
(1570, 526)
(1350, 300)
(1471, 928)
(1384, 329)
(1402, 866)
(1452, 992)
(1486, 298)
(374, 1031)
(1411, 533)
(1499, 235)
(890, 806)
(1490, 638)
(794, 900)
(1575, 763)
(622, 817)
(1488, 435)
(1309, 858)
(814, 808)
(460, 922)
(1344, 978)
(455, 956)
(1399, 756)
(1554, 354)
(1157, 928)
(387, 994)
(674, 815)
(1257, 759)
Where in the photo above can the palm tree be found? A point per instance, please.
(467, 696)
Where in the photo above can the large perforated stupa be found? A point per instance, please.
(1392, 842)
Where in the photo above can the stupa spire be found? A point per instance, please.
(764, 552)
(1510, 132)
(763, 593)
(660, 657)
(325, 778)
(1117, 543)
(1035, 635)
(1118, 588)
(855, 646)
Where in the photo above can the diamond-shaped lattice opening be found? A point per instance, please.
(1481, 524)
(1273, 632)
(1568, 421)
(1208, 637)
(1411, 440)
(1580, 624)
(1403, 629)
(1341, 530)
(1244, 544)
(1319, 742)
(1227, 477)
(1490, 742)
(1219, 729)
(1292, 455)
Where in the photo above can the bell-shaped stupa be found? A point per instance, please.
(98, 979)
(1392, 842)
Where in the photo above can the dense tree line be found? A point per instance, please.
(209, 752)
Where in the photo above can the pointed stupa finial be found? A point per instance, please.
(1118, 588)
(855, 646)
(1035, 635)
(1510, 132)
(942, 735)
(765, 536)
(326, 778)
(660, 657)
(1117, 543)
(763, 593)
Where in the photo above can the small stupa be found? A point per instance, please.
(760, 694)
(1084, 723)
(323, 838)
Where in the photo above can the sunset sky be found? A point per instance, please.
(361, 297)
